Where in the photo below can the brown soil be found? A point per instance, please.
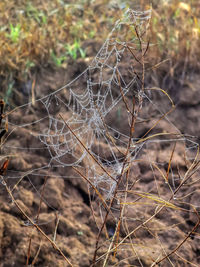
(65, 209)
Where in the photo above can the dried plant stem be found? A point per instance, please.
(134, 114)
(118, 182)
(182, 242)
(82, 144)
(36, 255)
(35, 225)
(132, 232)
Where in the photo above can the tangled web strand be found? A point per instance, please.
(105, 85)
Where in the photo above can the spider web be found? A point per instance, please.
(83, 123)
(104, 84)
(87, 127)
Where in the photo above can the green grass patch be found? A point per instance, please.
(36, 33)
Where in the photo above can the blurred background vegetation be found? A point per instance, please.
(40, 34)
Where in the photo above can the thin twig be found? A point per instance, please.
(82, 144)
(35, 225)
(182, 242)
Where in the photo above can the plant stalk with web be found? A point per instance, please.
(125, 166)
(79, 128)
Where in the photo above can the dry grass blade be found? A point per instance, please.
(33, 92)
(56, 227)
(164, 92)
(118, 234)
(190, 172)
(157, 65)
(155, 124)
(185, 260)
(160, 171)
(154, 135)
(169, 164)
(153, 198)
